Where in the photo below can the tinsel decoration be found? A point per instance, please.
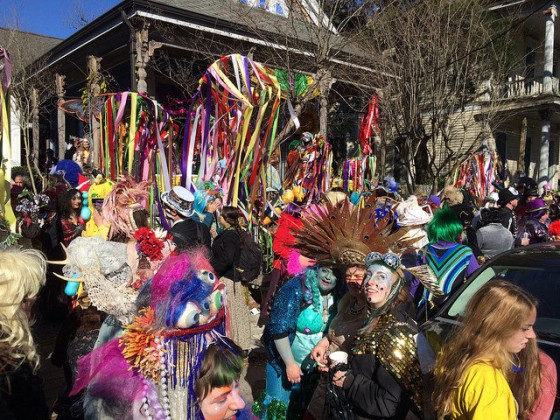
(138, 345)
(269, 409)
(427, 277)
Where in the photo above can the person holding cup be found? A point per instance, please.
(383, 379)
(351, 314)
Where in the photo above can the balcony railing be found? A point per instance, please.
(519, 87)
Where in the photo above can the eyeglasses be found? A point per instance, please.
(77, 197)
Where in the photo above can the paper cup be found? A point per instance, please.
(338, 357)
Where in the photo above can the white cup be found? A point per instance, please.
(337, 357)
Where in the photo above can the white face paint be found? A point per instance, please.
(377, 284)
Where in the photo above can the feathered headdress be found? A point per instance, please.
(119, 205)
(343, 235)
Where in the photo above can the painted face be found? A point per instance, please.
(354, 279)
(326, 279)
(222, 403)
(518, 341)
(377, 284)
(99, 179)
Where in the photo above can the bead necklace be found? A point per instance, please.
(354, 311)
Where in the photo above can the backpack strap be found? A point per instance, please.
(199, 237)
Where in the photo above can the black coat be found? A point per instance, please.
(21, 395)
(226, 250)
(188, 234)
(373, 391)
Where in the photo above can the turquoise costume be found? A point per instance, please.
(301, 315)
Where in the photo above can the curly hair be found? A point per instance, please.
(495, 312)
(22, 274)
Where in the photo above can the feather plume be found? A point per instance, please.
(342, 234)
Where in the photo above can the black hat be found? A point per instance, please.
(505, 196)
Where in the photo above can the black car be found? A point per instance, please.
(535, 268)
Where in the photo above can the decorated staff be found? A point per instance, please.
(134, 129)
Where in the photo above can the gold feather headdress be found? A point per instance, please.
(343, 235)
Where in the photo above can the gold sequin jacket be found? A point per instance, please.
(386, 380)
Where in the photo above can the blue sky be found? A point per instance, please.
(50, 17)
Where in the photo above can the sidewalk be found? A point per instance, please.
(253, 377)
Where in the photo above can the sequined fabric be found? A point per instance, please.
(393, 344)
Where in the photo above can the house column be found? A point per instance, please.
(544, 148)
(61, 116)
(144, 52)
(549, 48)
(94, 66)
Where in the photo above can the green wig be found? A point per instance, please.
(445, 226)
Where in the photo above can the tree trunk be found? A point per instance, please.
(325, 82)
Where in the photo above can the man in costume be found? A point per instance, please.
(186, 233)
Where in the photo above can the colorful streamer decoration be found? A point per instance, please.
(369, 125)
(230, 128)
(356, 171)
(478, 173)
(5, 144)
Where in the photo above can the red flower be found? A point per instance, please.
(149, 244)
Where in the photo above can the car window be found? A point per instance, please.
(543, 284)
(458, 307)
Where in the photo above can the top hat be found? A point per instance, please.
(179, 199)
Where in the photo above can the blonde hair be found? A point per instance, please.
(22, 274)
(495, 312)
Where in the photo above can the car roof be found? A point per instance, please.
(546, 255)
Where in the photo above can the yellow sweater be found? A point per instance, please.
(484, 394)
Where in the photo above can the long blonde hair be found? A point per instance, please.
(495, 312)
(22, 274)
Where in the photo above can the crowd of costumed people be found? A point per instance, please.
(153, 247)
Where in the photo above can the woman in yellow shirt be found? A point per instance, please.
(491, 369)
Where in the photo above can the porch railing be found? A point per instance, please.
(519, 86)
